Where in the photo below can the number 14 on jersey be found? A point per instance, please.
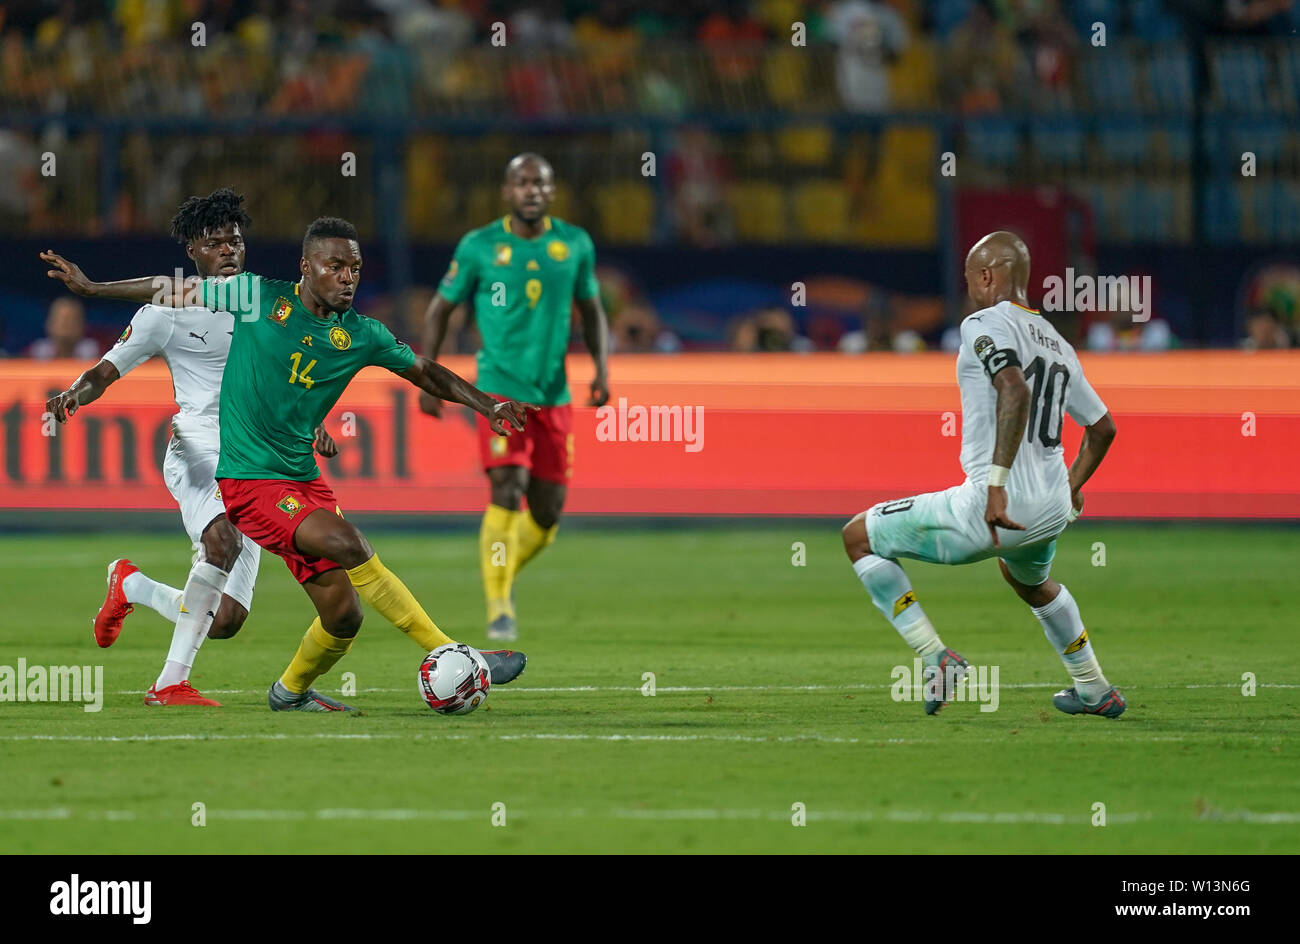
(302, 376)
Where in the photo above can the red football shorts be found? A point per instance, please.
(270, 510)
(545, 447)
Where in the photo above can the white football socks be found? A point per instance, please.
(891, 592)
(162, 599)
(1063, 627)
(199, 604)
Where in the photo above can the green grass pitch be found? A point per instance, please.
(772, 690)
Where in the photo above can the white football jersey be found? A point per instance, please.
(193, 341)
(1007, 335)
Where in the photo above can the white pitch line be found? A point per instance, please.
(563, 736)
(703, 689)
(976, 817)
(1249, 816)
(676, 689)
(327, 736)
(705, 814)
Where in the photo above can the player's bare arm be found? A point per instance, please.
(87, 388)
(324, 443)
(438, 381)
(595, 333)
(436, 319)
(1096, 442)
(1012, 417)
(165, 290)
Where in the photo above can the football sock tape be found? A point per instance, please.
(892, 593)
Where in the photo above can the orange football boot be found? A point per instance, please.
(108, 621)
(182, 693)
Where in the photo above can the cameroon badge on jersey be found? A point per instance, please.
(280, 313)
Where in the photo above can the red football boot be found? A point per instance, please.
(182, 693)
(108, 621)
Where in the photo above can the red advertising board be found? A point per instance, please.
(1201, 434)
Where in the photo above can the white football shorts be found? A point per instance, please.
(948, 528)
(189, 469)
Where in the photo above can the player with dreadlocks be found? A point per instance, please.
(194, 342)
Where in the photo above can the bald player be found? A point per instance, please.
(523, 274)
(1018, 378)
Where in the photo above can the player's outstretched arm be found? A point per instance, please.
(1096, 442)
(1012, 417)
(438, 381)
(595, 333)
(166, 290)
(436, 318)
(87, 388)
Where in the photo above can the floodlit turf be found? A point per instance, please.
(773, 689)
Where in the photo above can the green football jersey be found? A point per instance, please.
(523, 291)
(286, 370)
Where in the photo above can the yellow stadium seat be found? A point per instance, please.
(758, 208)
(566, 205)
(912, 77)
(483, 203)
(902, 208)
(785, 76)
(626, 210)
(909, 152)
(425, 194)
(821, 211)
(806, 145)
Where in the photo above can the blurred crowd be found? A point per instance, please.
(804, 178)
(842, 315)
(800, 180)
(402, 56)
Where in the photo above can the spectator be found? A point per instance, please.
(1224, 17)
(1264, 332)
(1051, 43)
(540, 25)
(876, 334)
(21, 194)
(65, 333)
(734, 40)
(610, 44)
(637, 330)
(870, 36)
(1122, 333)
(1252, 14)
(769, 329)
(698, 176)
(407, 318)
(982, 61)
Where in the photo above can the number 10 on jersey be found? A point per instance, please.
(1052, 411)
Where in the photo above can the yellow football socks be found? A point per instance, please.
(498, 546)
(382, 589)
(530, 538)
(507, 541)
(316, 655)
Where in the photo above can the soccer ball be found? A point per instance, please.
(454, 679)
